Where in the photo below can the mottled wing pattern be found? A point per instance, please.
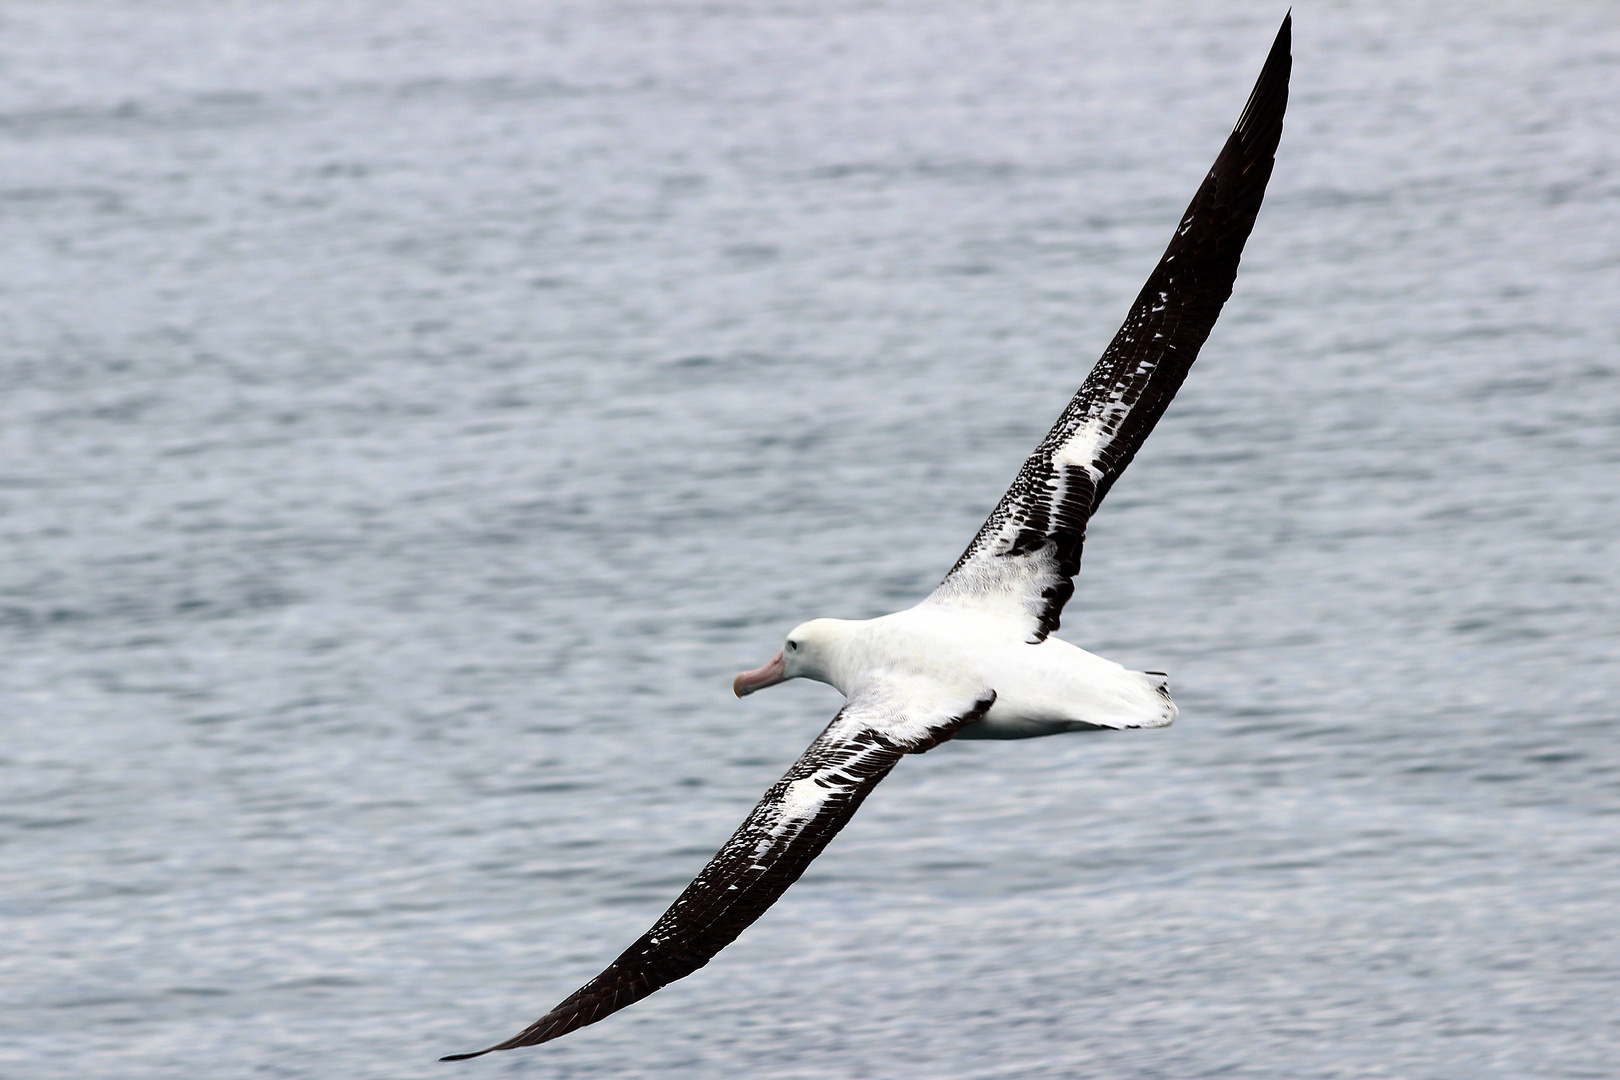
(1025, 557)
(786, 831)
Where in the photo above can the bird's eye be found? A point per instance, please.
(793, 646)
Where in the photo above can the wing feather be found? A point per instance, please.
(1024, 558)
(795, 820)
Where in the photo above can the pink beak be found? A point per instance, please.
(769, 675)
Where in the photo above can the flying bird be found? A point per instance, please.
(976, 659)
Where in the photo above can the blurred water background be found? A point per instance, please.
(412, 414)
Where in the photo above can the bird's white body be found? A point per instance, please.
(958, 654)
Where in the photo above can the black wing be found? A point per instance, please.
(787, 830)
(1025, 557)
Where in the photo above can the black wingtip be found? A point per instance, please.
(1270, 95)
(465, 1057)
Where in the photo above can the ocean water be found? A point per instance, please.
(412, 414)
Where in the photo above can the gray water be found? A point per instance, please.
(412, 414)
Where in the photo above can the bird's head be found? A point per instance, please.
(808, 653)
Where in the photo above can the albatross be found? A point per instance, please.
(976, 659)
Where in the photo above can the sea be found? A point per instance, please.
(413, 413)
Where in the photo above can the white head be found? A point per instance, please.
(810, 652)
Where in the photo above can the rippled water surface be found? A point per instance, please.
(412, 414)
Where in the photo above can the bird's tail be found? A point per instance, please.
(1163, 712)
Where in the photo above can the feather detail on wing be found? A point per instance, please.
(1024, 558)
(786, 831)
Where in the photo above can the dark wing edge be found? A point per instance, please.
(795, 820)
(1028, 550)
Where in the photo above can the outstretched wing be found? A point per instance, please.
(1025, 557)
(787, 830)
